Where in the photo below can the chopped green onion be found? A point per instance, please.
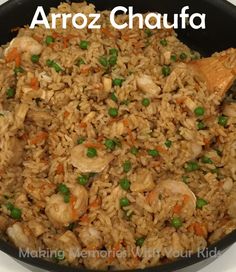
(10, 93)
(148, 32)
(173, 58)
(223, 120)
(112, 60)
(62, 188)
(113, 51)
(80, 140)
(103, 61)
(79, 62)
(206, 159)
(201, 125)
(134, 150)
(201, 203)
(114, 97)
(168, 143)
(35, 58)
(140, 241)
(185, 179)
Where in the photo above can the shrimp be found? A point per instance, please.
(146, 84)
(61, 213)
(91, 237)
(85, 164)
(173, 187)
(25, 44)
(21, 236)
(142, 181)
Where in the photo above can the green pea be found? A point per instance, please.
(183, 56)
(127, 166)
(185, 179)
(201, 203)
(83, 45)
(173, 58)
(114, 97)
(103, 61)
(134, 150)
(16, 213)
(191, 166)
(113, 112)
(223, 120)
(91, 152)
(9, 206)
(113, 51)
(62, 188)
(35, 58)
(125, 184)
(166, 70)
(124, 201)
(10, 93)
(59, 256)
(79, 62)
(80, 140)
(66, 198)
(112, 60)
(163, 42)
(199, 111)
(201, 125)
(140, 241)
(18, 70)
(176, 222)
(117, 82)
(153, 152)
(49, 40)
(206, 159)
(83, 179)
(148, 32)
(145, 102)
(110, 144)
(168, 143)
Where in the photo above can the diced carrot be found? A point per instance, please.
(84, 218)
(129, 131)
(100, 138)
(85, 69)
(41, 136)
(83, 125)
(107, 32)
(180, 100)
(177, 209)
(34, 83)
(14, 55)
(66, 114)
(161, 149)
(96, 203)
(74, 213)
(151, 197)
(94, 145)
(60, 169)
(199, 229)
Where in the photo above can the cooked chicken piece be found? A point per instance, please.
(25, 44)
(17, 148)
(230, 109)
(61, 213)
(21, 236)
(39, 117)
(20, 114)
(142, 181)
(215, 70)
(36, 228)
(107, 84)
(146, 84)
(91, 237)
(80, 160)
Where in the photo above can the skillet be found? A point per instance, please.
(218, 35)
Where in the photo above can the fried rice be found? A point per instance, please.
(111, 143)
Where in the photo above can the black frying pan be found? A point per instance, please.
(219, 35)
